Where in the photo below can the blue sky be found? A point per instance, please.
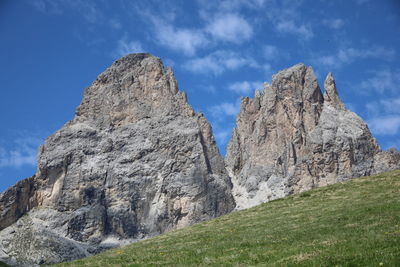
(50, 50)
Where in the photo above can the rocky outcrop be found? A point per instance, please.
(136, 161)
(291, 138)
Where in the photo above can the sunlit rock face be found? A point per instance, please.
(290, 137)
(136, 161)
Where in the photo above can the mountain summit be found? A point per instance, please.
(291, 138)
(137, 161)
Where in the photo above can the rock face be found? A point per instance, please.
(135, 161)
(291, 138)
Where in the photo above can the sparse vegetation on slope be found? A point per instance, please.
(356, 223)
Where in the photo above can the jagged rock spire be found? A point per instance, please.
(297, 139)
(331, 95)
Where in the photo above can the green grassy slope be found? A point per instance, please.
(356, 223)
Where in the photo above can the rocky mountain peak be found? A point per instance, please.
(136, 161)
(331, 95)
(292, 138)
(136, 86)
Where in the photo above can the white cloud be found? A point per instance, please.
(230, 27)
(218, 62)
(289, 26)
(222, 135)
(336, 24)
(24, 152)
(386, 125)
(383, 106)
(125, 47)
(245, 87)
(165, 31)
(391, 105)
(47, 6)
(328, 60)
(384, 116)
(205, 65)
(382, 81)
(333, 23)
(350, 54)
(229, 5)
(236, 4)
(87, 9)
(179, 39)
(225, 109)
(270, 52)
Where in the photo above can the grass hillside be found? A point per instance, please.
(356, 223)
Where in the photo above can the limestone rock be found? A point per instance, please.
(136, 161)
(291, 138)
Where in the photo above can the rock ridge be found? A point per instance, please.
(291, 138)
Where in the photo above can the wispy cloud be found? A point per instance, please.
(270, 52)
(245, 87)
(23, 152)
(179, 39)
(385, 125)
(218, 62)
(333, 23)
(237, 4)
(225, 109)
(381, 81)
(47, 6)
(115, 24)
(222, 135)
(348, 55)
(383, 106)
(229, 5)
(384, 116)
(301, 30)
(230, 27)
(285, 17)
(87, 9)
(125, 47)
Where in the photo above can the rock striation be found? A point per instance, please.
(136, 161)
(291, 138)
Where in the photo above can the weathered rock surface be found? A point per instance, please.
(291, 138)
(135, 161)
